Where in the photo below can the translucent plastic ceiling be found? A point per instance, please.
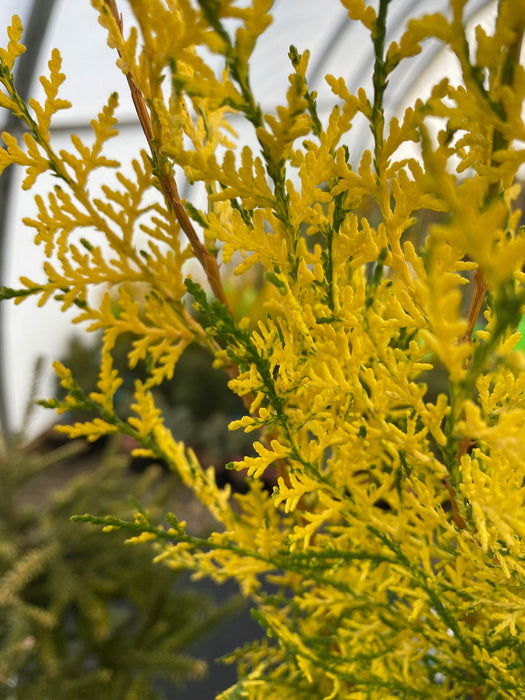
(337, 46)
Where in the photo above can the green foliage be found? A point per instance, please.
(81, 617)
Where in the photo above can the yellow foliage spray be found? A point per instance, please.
(394, 539)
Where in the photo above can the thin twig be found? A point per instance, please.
(169, 186)
(499, 142)
(478, 295)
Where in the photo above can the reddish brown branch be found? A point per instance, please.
(480, 289)
(168, 184)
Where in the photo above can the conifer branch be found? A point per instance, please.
(499, 143)
(168, 184)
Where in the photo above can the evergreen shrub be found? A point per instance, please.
(389, 559)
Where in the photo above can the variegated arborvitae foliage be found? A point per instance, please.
(389, 561)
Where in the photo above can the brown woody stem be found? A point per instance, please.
(499, 142)
(169, 186)
(480, 289)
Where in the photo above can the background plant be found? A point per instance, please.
(80, 618)
(196, 404)
(393, 540)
